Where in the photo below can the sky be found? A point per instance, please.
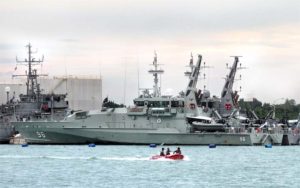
(116, 40)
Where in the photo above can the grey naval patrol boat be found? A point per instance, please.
(33, 105)
(229, 109)
(226, 110)
(293, 133)
(6, 115)
(152, 119)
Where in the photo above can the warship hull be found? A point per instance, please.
(67, 133)
(6, 129)
(292, 138)
(30, 106)
(153, 119)
(6, 132)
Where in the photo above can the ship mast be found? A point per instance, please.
(191, 90)
(230, 78)
(188, 73)
(155, 72)
(193, 78)
(33, 88)
(228, 97)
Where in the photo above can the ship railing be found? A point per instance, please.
(237, 130)
(136, 110)
(290, 130)
(273, 130)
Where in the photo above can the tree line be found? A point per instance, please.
(285, 111)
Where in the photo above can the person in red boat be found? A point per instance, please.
(177, 151)
(162, 153)
(175, 156)
(168, 152)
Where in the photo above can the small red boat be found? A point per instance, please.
(175, 156)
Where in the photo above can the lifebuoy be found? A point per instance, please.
(158, 120)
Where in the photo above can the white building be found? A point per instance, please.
(83, 93)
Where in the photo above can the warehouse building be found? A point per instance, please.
(83, 93)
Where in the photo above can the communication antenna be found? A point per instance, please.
(138, 75)
(100, 72)
(125, 79)
(191, 67)
(240, 67)
(204, 67)
(66, 73)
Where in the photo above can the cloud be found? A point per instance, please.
(5, 46)
(6, 60)
(69, 40)
(144, 18)
(100, 36)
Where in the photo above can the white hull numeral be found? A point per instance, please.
(242, 139)
(41, 134)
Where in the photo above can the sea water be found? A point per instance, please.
(130, 166)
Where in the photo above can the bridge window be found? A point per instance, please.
(139, 103)
(165, 103)
(81, 115)
(174, 103)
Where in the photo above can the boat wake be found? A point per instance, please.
(113, 158)
(186, 158)
(125, 158)
(42, 157)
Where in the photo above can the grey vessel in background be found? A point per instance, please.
(291, 134)
(152, 119)
(229, 106)
(30, 106)
(6, 116)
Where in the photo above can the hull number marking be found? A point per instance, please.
(242, 139)
(41, 134)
